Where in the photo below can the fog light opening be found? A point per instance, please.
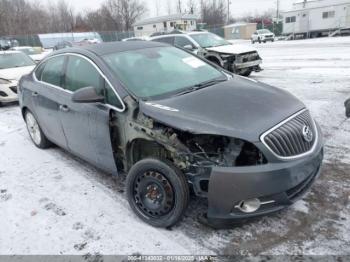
(249, 206)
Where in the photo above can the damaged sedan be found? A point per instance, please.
(175, 124)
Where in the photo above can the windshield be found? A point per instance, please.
(160, 72)
(11, 60)
(264, 31)
(206, 40)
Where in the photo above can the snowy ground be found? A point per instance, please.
(53, 203)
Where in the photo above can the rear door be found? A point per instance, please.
(47, 96)
(87, 126)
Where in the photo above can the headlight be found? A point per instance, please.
(4, 81)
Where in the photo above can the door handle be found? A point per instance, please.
(64, 108)
(35, 94)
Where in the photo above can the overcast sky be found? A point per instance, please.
(237, 7)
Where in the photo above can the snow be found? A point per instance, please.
(54, 203)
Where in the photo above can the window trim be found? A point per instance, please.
(70, 92)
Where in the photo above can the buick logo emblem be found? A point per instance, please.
(307, 134)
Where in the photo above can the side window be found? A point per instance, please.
(81, 73)
(52, 72)
(167, 40)
(183, 41)
(111, 97)
(39, 71)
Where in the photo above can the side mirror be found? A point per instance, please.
(347, 108)
(189, 47)
(87, 95)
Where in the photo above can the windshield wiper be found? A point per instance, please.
(201, 85)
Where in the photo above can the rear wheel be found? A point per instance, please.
(157, 192)
(35, 132)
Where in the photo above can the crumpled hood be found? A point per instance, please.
(240, 108)
(232, 49)
(15, 73)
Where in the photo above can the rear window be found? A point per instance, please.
(167, 40)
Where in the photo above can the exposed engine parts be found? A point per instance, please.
(188, 150)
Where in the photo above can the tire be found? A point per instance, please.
(246, 73)
(259, 40)
(146, 184)
(35, 132)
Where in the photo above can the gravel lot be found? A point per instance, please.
(53, 203)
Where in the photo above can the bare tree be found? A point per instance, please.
(179, 6)
(158, 6)
(213, 12)
(25, 17)
(192, 6)
(169, 7)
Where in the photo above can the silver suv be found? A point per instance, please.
(239, 59)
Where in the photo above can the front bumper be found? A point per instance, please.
(8, 93)
(278, 185)
(245, 65)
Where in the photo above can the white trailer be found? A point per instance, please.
(317, 17)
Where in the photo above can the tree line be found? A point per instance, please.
(24, 17)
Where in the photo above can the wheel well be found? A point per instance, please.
(24, 110)
(141, 148)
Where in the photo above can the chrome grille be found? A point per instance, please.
(288, 140)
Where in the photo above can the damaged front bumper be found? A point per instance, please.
(244, 65)
(274, 185)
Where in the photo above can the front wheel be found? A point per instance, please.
(158, 192)
(246, 72)
(35, 132)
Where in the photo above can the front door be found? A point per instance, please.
(86, 125)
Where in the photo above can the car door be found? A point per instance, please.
(87, 125)
(48, 94)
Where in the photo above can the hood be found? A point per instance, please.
(240, 108)
(15, 73)
(232, 49)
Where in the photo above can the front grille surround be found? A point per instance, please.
(285, 140)
(248, 57)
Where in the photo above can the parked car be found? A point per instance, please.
(62, 44)
(263, 35)
(347, 108)
(173, 121)
(239, 59)
(141, 38)
(36, 54)
(13, 65)
(5, 44)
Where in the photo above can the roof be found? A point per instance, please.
(114, 47)
(239, 24)
(166, 18)
(315, 4)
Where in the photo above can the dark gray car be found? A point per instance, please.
(175, 124)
